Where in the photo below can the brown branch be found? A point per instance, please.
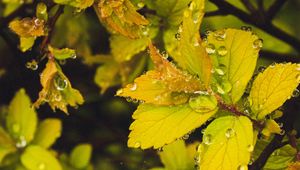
(214, 13)
(279, 57)
(273, 10)
(261, 23)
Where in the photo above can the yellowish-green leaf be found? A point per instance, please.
(227, 144)
(155, 126)
(187, 50)
(80, 156)
(123, 48)
(175, 156)
(235, 54)
(120, 16)
(271, 127)
(171, 10)
(57, 89)
(48, 131)
(79, 4)
(28, 27)
(36, 157)
(164, 86)
(107, 75)
(21, 120)
(41, 11)
(273, 87)
(6, 144)
(26, 43)
(62, 54)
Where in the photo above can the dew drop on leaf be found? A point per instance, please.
(250, 148)
(41, 166)
(243, 167)
(282, 132)
(207, 139)
(119, 92)
(258, 44)
(16, 128)
(140, 4)
(60, 83)
(203, 103)
(38, 22)
(222, 51)
(296, 93)
(21, 143)
(137, 144)
(133, 87)
(229, 133)
(261, 68)
(186, 14)
(177, 36)
(33, 65)
(210, 49)
(220, 35)
(246, 28)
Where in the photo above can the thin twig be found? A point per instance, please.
(279, 57)
(273, 10)
(266, 26)
(215, 13)
(249, 6)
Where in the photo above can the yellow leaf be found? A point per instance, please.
(164, 86)
(26, 43)
(175, 156)
(120, 16)
(28, 27)
(227, 144)
(271, 127)
(21, 120)
(187, 50)
(6, 144)
(234, 57)
(273, 87)
(57, 89)
(155, 126)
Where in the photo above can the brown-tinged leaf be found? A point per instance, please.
(28, 27)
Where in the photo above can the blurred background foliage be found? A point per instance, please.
(103, 120)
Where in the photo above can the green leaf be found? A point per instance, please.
(227, 143)
(80, 156)
(36, 158)
(62, 54)
(123, 48)
(170, 10)
(21, 120)
(159, 125)
(26, 43)
(48, 131)
(6, 144)
(107, 75)
(175, 156)
(79, 4)
(187, 50)
(41, 11)
(273, 87)
(234, 57)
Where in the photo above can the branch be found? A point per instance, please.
(266, 26)
(215, 13)
(279, 57)
(273, 10)
(249, 6)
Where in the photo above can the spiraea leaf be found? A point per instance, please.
(271, 127)
(234, 53)
(186, 45)
(156, 126)
(164, 86)
(79, 4)
(28, 27)
(273, 87)
(62, 54)
(176, 156)
(227, 144)
(57, 89)
(120, 16)
(7, 145)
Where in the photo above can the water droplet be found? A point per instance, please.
(119, 92)
(33, 65)
(210, 49)
(296, 93)
(160, 149)
(222, 51)
(261, 68)
(165, 55)
(186, 13)
(280, 125)
(196, 42)
(21, 143)
(74, 56)
(145, 30)
(140, 4)
(38, 22)
(207, 32)
(27, 23)
(192, 5)
(243, 167)
(133, 87)
(177, 36)
(203, 103)
(207, 139)
(258, 44)
(185, 137)
(246, 28)
(229, 133)
(60, 83)
(220, 35)
(16, 128)
(224, 87)
(41, 166)
(196, 17)
(282, 132)
(137, 144)
(250, 148)
(57, 97)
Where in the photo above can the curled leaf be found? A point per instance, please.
(57, 89)
(121, 16)
(28, 27)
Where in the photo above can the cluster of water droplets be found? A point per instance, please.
(30, 24)
(32, 65)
